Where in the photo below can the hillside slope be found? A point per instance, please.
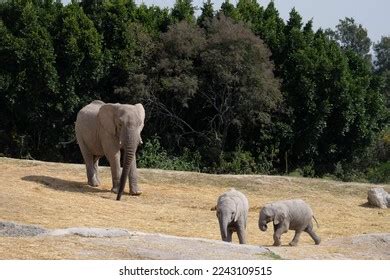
(53, 195)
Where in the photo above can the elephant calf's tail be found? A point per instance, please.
(316, 221)
(214, 208)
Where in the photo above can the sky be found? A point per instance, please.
(372, 14)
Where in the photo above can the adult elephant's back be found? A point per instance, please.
(86, 127)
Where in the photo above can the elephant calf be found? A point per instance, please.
(288, 214)
(232, 213)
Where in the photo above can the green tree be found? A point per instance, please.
(90, 6)
(28, 82)
(154, 19)
(382, 64)
(297, 70)
(174, 82)
(183, 10)
(238, 91)
(137, 86)
(382, 53)
(79, 58)
(230, 11)
(352, 36)
(336, 110)
(328, 92)
(250, 12)
(207, 14)
(79, 64)
(213, 91)
(115, 22)
(271, 30)
(378, 172)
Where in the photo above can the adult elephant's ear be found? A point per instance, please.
(140, 112)
(108, 118)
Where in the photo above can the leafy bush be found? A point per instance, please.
(305, 171)
(242, 162)
(155, 156)
(380, 174)
(296, 173)
(238, 162)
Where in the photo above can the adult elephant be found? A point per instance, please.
(103, 130)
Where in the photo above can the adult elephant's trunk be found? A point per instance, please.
(130, 148)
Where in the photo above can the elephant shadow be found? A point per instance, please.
(63, 185)
(367, 205)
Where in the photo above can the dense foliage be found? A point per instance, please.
(233, 90)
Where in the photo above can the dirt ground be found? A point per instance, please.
(54, 195)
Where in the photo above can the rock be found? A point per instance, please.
(378, 197)
(90, 232)
(167, 247)
(116, 243)
(14, 229)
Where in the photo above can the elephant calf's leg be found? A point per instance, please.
(316, 238)
(276, 239)
(229, 235)
(241, 235)
(295, 240)
(278, 231)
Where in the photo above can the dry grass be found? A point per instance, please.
(177, 203)
(49, 248)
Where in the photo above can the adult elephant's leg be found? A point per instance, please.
(295, 240)
(114, 160)
(89, 164)
(95, 169)
(133, 178)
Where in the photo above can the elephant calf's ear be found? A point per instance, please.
(279, 218)
(239, 210)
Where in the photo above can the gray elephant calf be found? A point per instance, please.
(288, 214)
(232, 212)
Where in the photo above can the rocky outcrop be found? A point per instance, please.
(18, 230)
(378, 197)
(135, 244)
